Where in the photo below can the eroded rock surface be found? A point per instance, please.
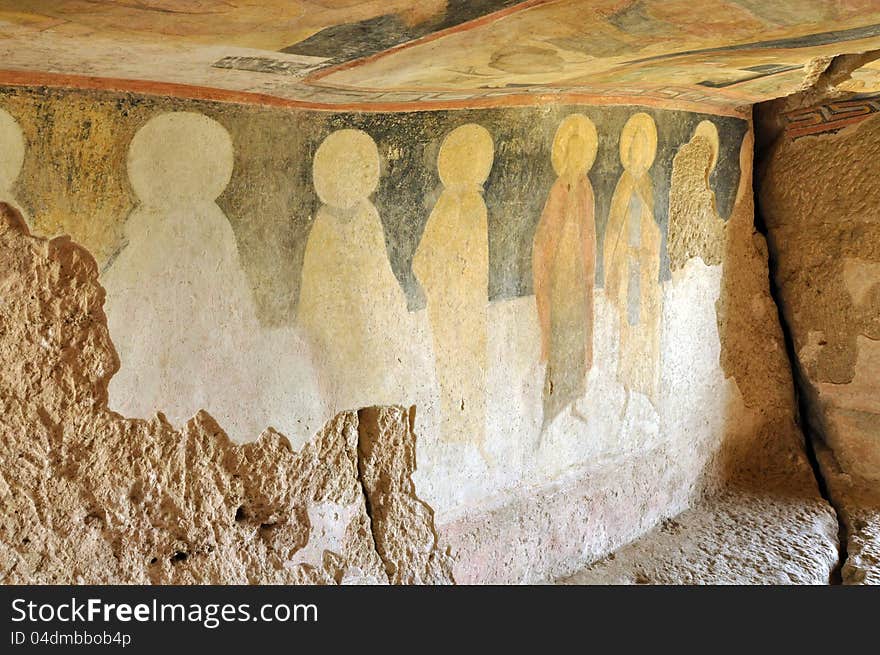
(820, 196)
(90, 497)
(403, 525)
(858, 507)
(695, 228)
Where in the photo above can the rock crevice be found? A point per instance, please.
(817, 196)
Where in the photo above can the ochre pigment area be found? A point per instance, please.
(90, 497)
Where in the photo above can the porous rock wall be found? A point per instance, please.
(90, 497)
(819, 196)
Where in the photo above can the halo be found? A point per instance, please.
(346, 168)
(466, 156)
(583, 158)
(180, 154)
(639, 138)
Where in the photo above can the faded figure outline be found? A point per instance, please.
(632, 259)
(451, 264)
(351, 305)
(179, 305)
(564, 267)
(695, 227)
(12, 150)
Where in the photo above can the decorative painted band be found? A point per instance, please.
(438, 101)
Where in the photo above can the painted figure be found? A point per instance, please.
(564, 267)
(632, 258)
(452, 266)
(351, 305)
(179, 305)
(12, 146)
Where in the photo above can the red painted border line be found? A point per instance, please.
(830, 126)
(193, 92)
(461, 27)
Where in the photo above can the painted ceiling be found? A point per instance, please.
(721, 54)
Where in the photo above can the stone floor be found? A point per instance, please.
(737, 537)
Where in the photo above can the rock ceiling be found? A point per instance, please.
(718, 54)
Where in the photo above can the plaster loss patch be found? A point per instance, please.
(91, 497)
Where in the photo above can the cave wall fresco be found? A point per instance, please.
(652, 48)
(301, 254)
(551, 282)
(724, 54)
